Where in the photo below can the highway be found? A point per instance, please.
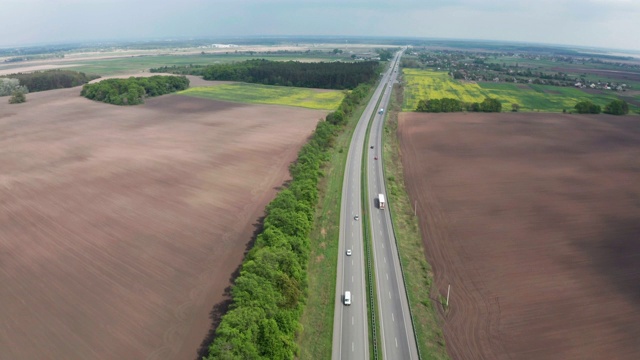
(350, 326)
(396, 330)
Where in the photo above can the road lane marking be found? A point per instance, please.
(351, 278)
(392, 317)
(352, 320)
(387, 275)
(353, 347)
(396, 342)
(385, 259)
(389, 294)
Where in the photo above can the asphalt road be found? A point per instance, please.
(350, 327)
(398, 340)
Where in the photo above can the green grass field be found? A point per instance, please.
(428, 84)
(266, 94)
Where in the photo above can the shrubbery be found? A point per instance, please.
(455, 105)
(270, 293)
(17, 97)
(325, 75)
(132, 91)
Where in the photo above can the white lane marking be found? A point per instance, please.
(387, 275)
(396, 342)
(389, 294)
(353, 346)
(351, 262)
(352, 320)
(392, 317)
(351, 278)
(385, 259)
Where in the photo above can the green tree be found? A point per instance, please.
(490, 105)
(515, 107)
(617, 107)
(17, 97)
(9, 86)
(587, 107)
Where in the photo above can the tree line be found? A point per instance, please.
(455, 105)
(52, 79)
(270, 293)
(324, 75)
(132, 91)
(615, 107)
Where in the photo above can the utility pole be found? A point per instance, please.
(448, 292)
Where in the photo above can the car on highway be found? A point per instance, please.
(356, 217)
(347, 298)
(375, 158)
(348, 252)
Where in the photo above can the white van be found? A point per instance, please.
(347, 297)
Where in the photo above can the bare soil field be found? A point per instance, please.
(120, 227)
(534, 220)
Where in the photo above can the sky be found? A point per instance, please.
(595, 23)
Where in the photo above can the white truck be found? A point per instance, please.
(381, 201)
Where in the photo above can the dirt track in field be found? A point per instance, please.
(534, 220)
(120, 227)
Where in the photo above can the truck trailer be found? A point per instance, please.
(381, 201)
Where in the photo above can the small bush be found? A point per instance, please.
(17, 97)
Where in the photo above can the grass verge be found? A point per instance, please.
(370, 274)
(315, 338)
(417, 272)
(268, 94)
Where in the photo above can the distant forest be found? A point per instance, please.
(324, 75)
(132, 91)
(51, 79)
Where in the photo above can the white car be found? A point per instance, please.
(348, 252)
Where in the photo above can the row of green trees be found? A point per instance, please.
(270, 293)
(325, 75)
(132, 91)
(615, 107)
(455, 105)
(52, 79)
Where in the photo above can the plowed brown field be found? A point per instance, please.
(120, 227)
(534, 220)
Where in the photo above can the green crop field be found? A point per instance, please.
(428, 84)
(266, 94)
(128, 65)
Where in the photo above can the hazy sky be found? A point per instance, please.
(600, 23)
